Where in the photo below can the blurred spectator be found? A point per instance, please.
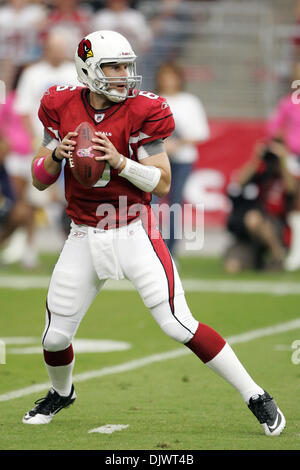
(118, 16)
(54, 69)
(71, 18)
(296, 38)
(261, 193)
(170, 28)
(284, 123)
(19, 150)
(13, 213)
(20, 26)
(191, 128)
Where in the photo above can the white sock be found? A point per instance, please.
(61, 378)
(227, 365)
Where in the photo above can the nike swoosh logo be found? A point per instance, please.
(274, 426)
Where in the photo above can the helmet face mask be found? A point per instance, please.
(107, 48)
(105, 85)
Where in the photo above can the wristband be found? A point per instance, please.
(41, 174)
(143, 177)
(54, 157)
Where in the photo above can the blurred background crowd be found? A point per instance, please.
(229, 69)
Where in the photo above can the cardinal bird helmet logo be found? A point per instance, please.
(85, 49)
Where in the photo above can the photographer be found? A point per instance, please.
(12, 214)
(261, 194)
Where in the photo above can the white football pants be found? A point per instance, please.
(90, 256)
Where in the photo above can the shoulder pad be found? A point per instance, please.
(58, 96)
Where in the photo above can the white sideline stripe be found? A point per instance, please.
(266, 287)
(190, 285)
(24, 282)
(144, 361)
(109, 428)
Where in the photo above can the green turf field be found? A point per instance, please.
(168, 403)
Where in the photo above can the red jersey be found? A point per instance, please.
(128, 125)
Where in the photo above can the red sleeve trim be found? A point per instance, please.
(48, 115)
(154, 120)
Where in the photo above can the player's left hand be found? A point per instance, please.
(112, 156)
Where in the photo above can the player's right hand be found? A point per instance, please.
(66, 147)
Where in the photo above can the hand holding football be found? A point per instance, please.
(110, 153)
(85, 168)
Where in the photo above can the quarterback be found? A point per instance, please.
(130, 128)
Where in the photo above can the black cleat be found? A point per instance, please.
(46, 408)
(268, 414)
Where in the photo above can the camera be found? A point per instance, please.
(269, 157)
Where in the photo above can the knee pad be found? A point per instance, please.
(176, 331)
(178, 323)
(55, 340)
(64, 296)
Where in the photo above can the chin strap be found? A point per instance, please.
(115, 97)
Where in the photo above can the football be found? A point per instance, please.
(85, 169)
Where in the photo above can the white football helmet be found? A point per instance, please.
(103, 47)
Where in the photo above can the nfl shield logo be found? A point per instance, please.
(99, 117)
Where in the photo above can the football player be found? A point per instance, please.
(131, 126)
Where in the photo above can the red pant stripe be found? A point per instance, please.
(161, 250)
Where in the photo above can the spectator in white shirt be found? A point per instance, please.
(20, 41)
(118, 16)
(72, 18)
(191, 128)
(53, 69)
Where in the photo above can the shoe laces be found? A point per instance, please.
(47, 403)
(264, 409)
